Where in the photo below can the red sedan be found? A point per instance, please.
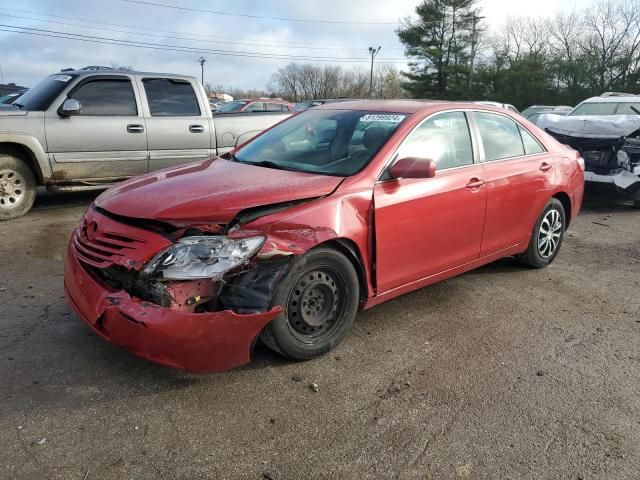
(333, 210)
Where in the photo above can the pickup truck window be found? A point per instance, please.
(171, 98)
(107, 97)
(41, 96)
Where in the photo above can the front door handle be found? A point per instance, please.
(196, 128)
(135, 128)
(545, 167)
(475, 183)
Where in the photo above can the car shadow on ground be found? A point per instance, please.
(51, 200)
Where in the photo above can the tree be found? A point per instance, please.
(440, 44)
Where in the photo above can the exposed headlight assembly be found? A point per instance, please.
(203, 257)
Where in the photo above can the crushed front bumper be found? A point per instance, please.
(197, 342)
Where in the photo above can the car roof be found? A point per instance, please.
(614, 99)
(406, 106)
(108, 71)
(390, 106)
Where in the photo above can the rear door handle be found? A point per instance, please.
(545, 167)
(135, 128)
(196, 128)
(475, 183)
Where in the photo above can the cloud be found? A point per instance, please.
(26, 59)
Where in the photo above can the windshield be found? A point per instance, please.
(232, 107)
(40, 97)
(330, 142)
(606, 108)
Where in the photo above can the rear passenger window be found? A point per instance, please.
(171, 98)
(531, 145)
(444, 138)
(107, 97)
(500, 136)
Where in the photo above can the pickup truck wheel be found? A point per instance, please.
(546, 237)
(17, 187)
(320, 295)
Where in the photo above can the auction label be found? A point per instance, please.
(379, 117)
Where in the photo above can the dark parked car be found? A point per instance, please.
(337, 209)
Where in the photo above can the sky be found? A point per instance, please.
(235, 41)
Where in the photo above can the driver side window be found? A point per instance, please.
(444, 138)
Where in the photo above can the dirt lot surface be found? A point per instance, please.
(502, 373)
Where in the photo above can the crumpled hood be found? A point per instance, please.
(590, 126)
(211, 191)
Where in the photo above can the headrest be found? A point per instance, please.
(374, 137)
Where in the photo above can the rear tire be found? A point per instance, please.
(320, 296)
(17, 187)
(546, 237)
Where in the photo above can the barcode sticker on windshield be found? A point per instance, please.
(62, 78)
(379, 117)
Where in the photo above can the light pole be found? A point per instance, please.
(201, 61)
(373, 52)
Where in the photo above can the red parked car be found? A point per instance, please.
(333, 210)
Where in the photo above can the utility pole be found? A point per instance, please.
(373, 52)
(475, 39)
(201, 61)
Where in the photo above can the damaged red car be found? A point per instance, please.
(333, 210)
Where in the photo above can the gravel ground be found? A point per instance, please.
(501, 373)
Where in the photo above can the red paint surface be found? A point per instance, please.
(406, 233)
(202, 342)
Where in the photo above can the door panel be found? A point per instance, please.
(517, 190)
(426, 226)
(172, 141)
(518, 183)
(99, 143)
(178, 127)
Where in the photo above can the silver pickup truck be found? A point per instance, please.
(86, 129)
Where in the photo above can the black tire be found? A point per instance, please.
(320, 296)
(540, 253)
(17, 187)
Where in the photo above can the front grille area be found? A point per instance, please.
(102, 249)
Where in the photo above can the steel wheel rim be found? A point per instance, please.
(316, 304)
(549, 233)
(12, 189)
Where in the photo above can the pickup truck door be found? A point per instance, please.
(178, 121)
(106, 140)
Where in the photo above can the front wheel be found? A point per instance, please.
(546, 237)
(17, 187)
(320, 295)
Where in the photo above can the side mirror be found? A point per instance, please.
(71, 106)
(413, 167)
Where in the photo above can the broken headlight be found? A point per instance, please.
(203, 257)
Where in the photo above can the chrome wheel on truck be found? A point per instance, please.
(11, 189)
(17, 187)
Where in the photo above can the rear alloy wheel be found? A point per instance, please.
(17, 187)
(546, 237)
(321, 296)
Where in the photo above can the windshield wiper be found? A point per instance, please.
(268, 164)
(19, 105)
